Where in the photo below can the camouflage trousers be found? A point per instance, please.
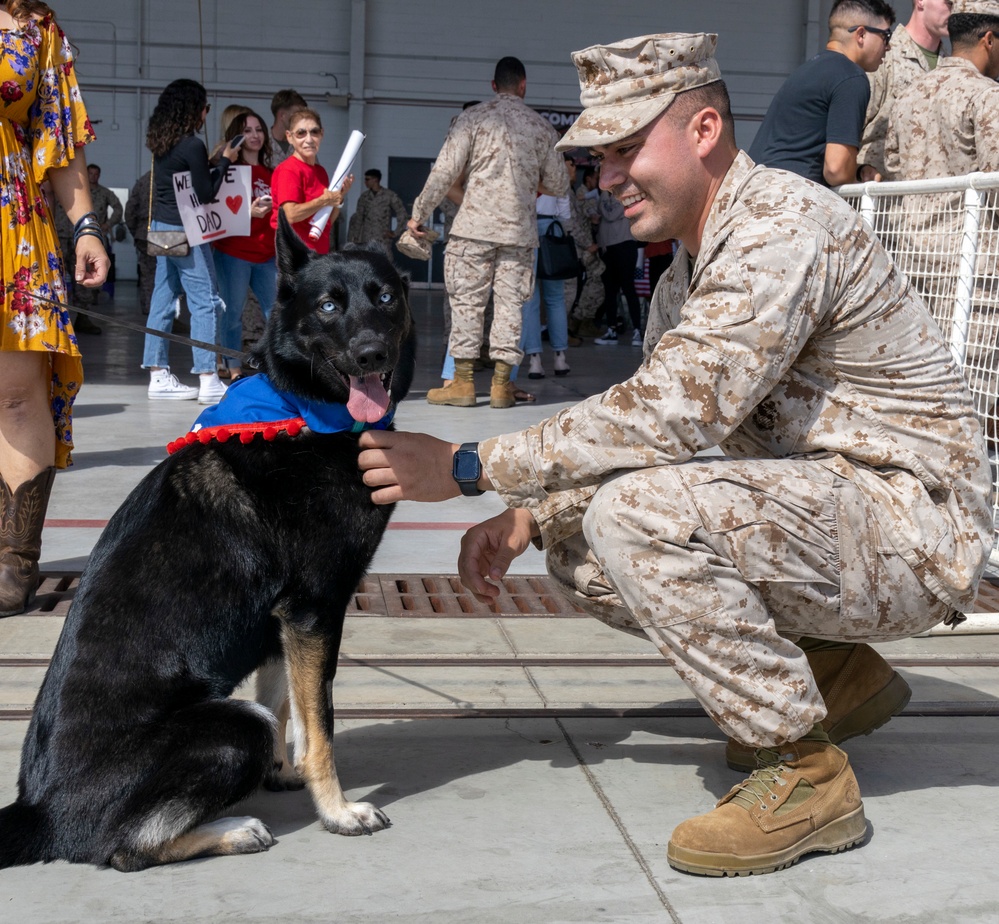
(724, 563)
(592, 296)
(473, 269)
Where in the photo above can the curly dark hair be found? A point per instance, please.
(238, 125)
(178, 113)
(23, 10)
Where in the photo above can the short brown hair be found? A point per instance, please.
(285, 99)
(305, 113)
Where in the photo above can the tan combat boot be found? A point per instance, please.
(22, 513)
(461, 391)
(802, 798)
(501, 390)
(860, 689)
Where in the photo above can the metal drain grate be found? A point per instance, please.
(412, 595)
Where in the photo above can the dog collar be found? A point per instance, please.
(252, 405)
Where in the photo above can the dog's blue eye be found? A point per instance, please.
(385, 298)
(327, 306)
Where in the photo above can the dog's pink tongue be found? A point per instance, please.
(368, 401)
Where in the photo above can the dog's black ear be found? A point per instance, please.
(380, 247)
(292, 252)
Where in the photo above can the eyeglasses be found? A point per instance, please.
(884, 33)
(302, 132)
(208, 108)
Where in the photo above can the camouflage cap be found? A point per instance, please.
(624, 86)
(981, 7)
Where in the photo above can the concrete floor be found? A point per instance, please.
(550, 816)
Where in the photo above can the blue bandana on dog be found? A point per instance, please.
(252, 405)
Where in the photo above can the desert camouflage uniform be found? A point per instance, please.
(372, 220)
(903, 62)
(947, 124)
(592, 296)
(505, 151)
(852, 501)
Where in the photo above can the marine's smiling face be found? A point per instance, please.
(342, 331)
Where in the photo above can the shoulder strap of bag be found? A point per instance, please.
(149, 216)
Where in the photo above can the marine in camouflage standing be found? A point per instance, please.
(372, 220)
(583, 304)
(914, 50)
(505, 153)
(852, 501)
(946, 123)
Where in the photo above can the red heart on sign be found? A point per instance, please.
(234, 203)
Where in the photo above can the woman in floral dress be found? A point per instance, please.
(43, 127)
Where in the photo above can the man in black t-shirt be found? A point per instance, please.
(815, 122)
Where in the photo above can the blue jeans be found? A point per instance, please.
(235, 278)
(193, 276)
(553, 292)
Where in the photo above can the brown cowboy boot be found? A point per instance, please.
(860, 689)
(803, 797)
(461, 391)
(501, 389)
(22, 513)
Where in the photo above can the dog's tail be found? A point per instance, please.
(23, 834)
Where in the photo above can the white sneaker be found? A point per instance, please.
(636, 337)
(537, 371)
(608, 336)
(212, 389)
(561, 366)
(164, 384)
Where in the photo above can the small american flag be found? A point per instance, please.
(642, 288)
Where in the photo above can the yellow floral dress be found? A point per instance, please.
(42, 123)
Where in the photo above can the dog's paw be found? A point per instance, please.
(246, 835)
(356, 818)
(282, 777)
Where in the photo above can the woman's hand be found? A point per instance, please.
(92, 261)
(261, 207)
(232, 153)
(330, 197)
(488, 550)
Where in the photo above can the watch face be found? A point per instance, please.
(466, 465)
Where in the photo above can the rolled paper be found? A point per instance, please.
(354, 142)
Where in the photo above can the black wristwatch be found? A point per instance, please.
(466, 469)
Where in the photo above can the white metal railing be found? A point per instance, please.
(944, 234)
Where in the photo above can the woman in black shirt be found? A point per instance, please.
(180, 112)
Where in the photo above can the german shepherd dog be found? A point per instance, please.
(229, 553)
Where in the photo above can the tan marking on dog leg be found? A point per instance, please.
(306, 659)
(224, 837)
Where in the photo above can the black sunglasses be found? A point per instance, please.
(884, 33)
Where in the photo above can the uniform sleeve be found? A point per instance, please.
(450, 165)
(57, 121)
(554, 176)
(738, 335)
(116, 209)
(986, 112)
(399, 210)
(876, 118)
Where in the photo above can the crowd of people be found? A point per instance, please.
(852, 499)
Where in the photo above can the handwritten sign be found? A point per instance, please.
(227, 216)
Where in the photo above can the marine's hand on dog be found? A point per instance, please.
(488, 550)
(408, 466)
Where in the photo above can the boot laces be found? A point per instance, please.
(762, 786)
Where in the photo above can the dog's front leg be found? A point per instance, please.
(272, 692)
(306, 657)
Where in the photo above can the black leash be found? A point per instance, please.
(246, 359)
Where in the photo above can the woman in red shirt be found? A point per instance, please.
(244, 263)
(300, 185)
